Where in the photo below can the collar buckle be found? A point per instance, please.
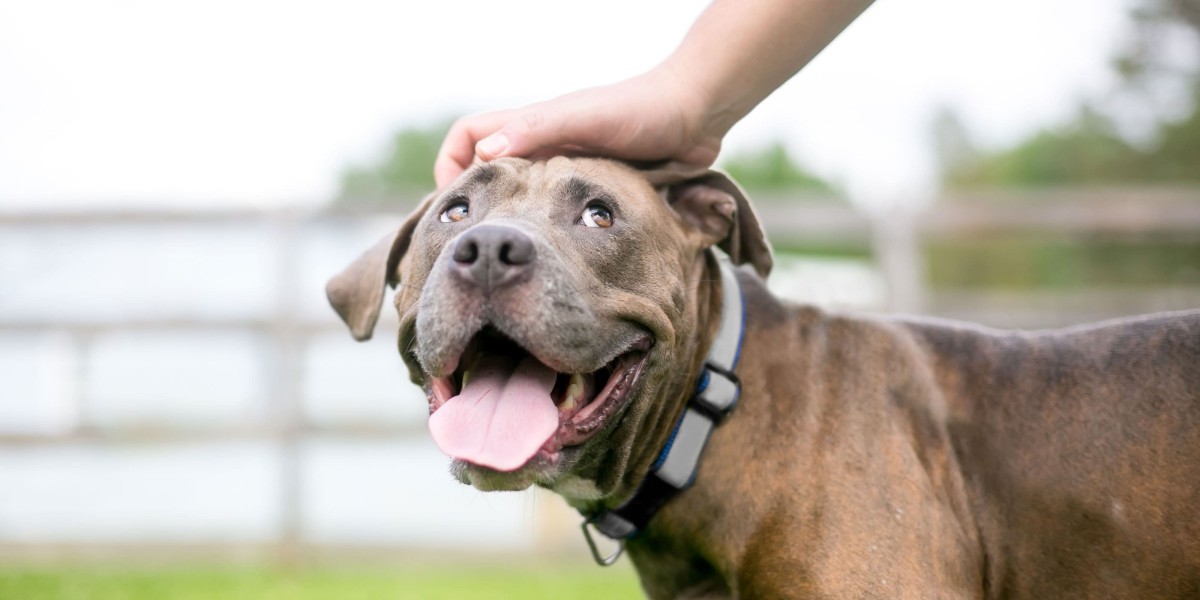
(601, 559)
(718, 392)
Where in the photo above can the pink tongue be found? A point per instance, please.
(502, 417)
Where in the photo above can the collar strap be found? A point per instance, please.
(716, 395)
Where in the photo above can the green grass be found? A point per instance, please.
(250, 583)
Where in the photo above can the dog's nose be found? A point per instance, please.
(491, 256)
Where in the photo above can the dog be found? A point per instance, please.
(605, 332)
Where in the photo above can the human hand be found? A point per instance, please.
(653, 117)
(736, 53)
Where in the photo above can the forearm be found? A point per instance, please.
(739, 51)
(734, 56)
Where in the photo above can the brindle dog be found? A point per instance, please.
(571, 303)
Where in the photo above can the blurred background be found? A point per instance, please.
(182, 416)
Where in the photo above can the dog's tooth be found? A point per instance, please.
(574, 393)
(465, 378)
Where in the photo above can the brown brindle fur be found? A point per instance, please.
(868, 457)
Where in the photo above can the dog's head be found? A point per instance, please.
(554, 312)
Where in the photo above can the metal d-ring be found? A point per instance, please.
(603, 561)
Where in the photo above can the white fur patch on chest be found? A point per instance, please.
(576, 488)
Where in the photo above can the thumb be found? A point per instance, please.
(493, 146)
(523, 137)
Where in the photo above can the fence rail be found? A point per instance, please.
(894, 238)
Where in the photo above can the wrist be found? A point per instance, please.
(707, 111)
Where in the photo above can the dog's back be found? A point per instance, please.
(1080, 449)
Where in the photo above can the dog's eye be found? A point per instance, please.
(457, 212)
(597, 215)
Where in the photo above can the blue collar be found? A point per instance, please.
(716, 394)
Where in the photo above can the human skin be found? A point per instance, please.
(736, 53)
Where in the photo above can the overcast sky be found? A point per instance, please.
(260, 103)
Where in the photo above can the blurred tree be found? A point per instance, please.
(1176, 157)
(1159, 66)
(1158, 25)
(406, 170)
(403, 174)
(1086, 150)
(1089, 149)
(772, 168)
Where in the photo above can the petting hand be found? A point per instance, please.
(652, 117)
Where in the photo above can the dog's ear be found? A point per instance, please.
(718, 208)
(357, 292)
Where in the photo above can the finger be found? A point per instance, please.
(458, 148)
(533, 132)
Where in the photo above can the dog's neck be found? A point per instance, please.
(716, 394)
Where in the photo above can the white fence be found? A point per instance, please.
(176, 380)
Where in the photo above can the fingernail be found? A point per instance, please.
(492, 145)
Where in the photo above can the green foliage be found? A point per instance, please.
(1088, 149)
(1019, 262)
(771, 167)
(1176, 157)
(405, 169)
(1085, 151)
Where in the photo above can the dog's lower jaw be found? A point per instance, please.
(557, 472)
(488, 480)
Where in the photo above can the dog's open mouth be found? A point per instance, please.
(502, 407)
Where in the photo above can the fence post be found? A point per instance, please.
(287, 411)
(898, 254)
